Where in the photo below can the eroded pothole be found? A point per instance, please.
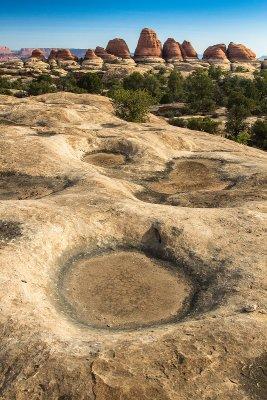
(105, 159)
(196, 183)
(18, 186)
(123, 289)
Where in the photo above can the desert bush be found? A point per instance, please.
(259, 134)
(198, 124)
(91, 83)
(243, 137)
(134, 81)
(132, 105)
(203, 124)
(240, 68)
(41, 85)
(181, 122)
(200, 92)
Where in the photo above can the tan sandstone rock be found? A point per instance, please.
(239, 52)
(172, 51)
(188, 50)
(149, 48)
(118, 48)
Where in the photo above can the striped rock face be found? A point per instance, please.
(148, 45)
(118, 47)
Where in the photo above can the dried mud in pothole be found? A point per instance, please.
(123, 289)
(106, 297)
(197, 183)
(17, 186)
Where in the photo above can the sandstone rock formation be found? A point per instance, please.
(172, 51)
(4, 50)
(188, 50)
(215, 52)
(65, 55)
(239, 52)
(102, 53)
(91, 60)
(52, 55)
(149, 47)
(171, 223)
(38, 54)
(118, 48)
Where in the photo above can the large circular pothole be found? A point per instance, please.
(105, 159)
(123, 289)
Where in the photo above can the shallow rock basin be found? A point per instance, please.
(123, 289)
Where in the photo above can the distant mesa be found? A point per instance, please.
(118, 48)
(188, 50)
(215, 52)
(148, 47)
(172, 50)
(239, 52)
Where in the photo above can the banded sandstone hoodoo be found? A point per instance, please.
(215, 52)
(118, 48)
(39, 54)
(188, 50)
(102, 53)
(149, 47)
(172, 51)
(239, 52)
(91, 60)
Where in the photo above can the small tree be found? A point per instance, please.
(200, 92)
(175, 88)
(132, 105)
(236, 120)
(91, 82)
(259, 134)
(134, 81)
(41, 85)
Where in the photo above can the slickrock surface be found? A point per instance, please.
(118, 47)
(132, 262)
(148, 46)
(172, 51)
(188, 50)
(239, 52)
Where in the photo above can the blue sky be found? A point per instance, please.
(86, 23)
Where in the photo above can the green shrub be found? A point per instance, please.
(236, 120)
(41, 85)
(200, 92)
(134, 81)
(259, 134)
(132, 105)
(243, 137)
(240, 68)
(197, 124)
(91, 83)
(203, 124)
(182, 123)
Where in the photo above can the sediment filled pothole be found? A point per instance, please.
(123, 289)
(188, 183)
(105, 159)
(18, 186)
